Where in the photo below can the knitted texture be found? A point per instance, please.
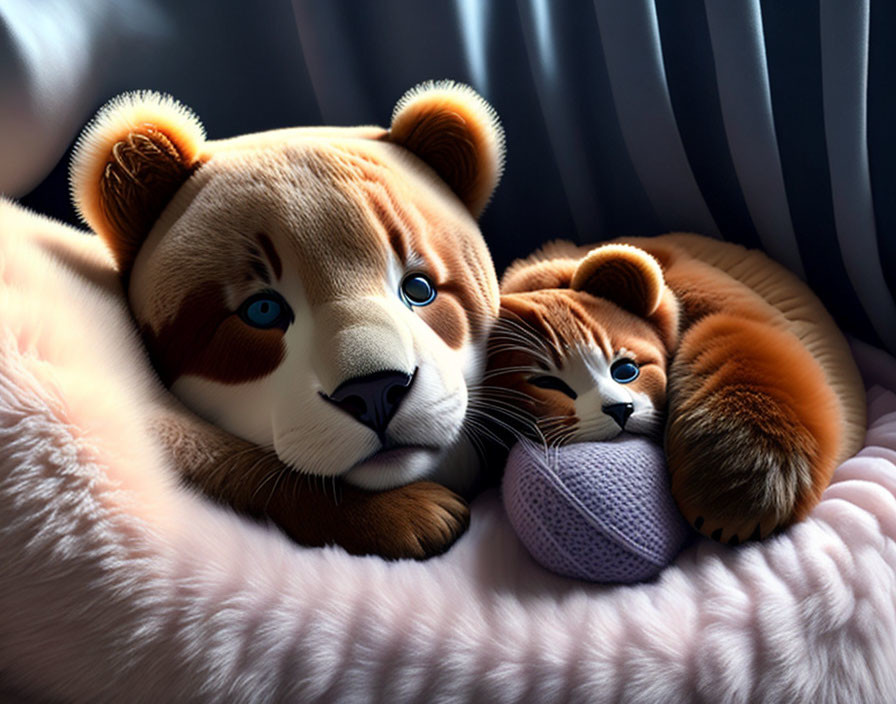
(599, 511)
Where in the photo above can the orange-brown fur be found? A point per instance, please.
(755, 424)
(555, 321)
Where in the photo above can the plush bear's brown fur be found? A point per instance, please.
(325, 215)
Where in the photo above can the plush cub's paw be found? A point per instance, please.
(753, 432)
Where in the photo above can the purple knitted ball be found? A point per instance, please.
(600, 511)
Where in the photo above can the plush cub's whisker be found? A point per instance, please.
(763, 398)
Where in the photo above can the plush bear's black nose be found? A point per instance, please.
(372, 399)
(619, 412)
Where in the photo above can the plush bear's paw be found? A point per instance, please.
(416, 521)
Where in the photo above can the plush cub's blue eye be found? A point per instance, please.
(266, 310)
(624, 371)
(418, 290)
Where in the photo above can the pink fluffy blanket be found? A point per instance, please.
(117, 585)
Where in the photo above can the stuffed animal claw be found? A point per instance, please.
(731, 531)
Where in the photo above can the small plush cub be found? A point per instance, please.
(762, 396)
(320, 297)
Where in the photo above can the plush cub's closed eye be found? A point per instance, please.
(266, 310)
(554, 383)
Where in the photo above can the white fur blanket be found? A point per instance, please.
(116, 585)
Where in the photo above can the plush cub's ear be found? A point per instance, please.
(551, 266)
(538, 275)
(128, 164)
(623, 274)
(457, 133)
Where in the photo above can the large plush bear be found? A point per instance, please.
(321, 297)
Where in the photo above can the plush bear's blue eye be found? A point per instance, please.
(262, 313)
(418, 290)
(624, 371)
(266, 310)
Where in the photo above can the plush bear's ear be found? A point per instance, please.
(623, 274)
(128, 164)
(457, 133)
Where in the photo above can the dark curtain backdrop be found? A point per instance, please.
(766, 122)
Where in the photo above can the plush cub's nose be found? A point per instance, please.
(372, 399)
(619, 412)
